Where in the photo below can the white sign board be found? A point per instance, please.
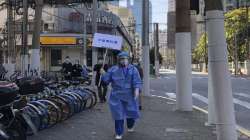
(107, 41)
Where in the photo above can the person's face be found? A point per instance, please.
(123, 61)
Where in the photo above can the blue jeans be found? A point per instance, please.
(119, 125)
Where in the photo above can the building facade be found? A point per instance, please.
(136, 7)
(63, 35)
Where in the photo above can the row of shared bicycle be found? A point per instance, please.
(31, 104)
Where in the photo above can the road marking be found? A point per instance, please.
(171, 95)
(195, 95)
(242, 103)
(205, 99)
(201, 98)
(242, 95)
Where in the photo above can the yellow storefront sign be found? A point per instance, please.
(51, 40)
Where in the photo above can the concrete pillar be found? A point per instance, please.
(183, 56)
(35, 51)
(221, 83)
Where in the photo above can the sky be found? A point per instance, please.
(160, 8)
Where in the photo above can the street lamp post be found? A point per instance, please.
(145, 46)
(94, 30)
(24, 52)
(156, 48)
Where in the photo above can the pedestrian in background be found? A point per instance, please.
(123, 102)
(102, 87)
(140, 70)
(76, 69)
(67, 68)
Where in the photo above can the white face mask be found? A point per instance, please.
(124, 62)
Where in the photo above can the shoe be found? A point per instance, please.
(131, 130)
(118, 137)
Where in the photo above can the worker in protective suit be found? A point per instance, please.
(123, 102)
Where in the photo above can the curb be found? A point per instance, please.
(240, 129)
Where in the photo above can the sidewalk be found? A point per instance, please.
(159, 122)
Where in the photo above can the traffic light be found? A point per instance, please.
(194, 5)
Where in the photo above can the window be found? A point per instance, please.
(56, 57)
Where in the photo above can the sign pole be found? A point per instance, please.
(103, 63)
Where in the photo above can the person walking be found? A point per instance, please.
(123, 102)
(140, 70)
(102, 87)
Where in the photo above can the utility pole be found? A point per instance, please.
(183, 56)
(84, 31)
(24, 52)
(247, 40)
(235, 55)
(10, 23)
(235, 46)
(145, 46)
(156, 48)
(35, 51)
(94, 30)
(247, 33)
(84, 49)
(221, 83)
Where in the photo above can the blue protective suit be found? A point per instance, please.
(123, 81)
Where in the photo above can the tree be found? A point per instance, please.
(199, 54)
(235, 25)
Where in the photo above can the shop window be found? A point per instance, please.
(56, 57)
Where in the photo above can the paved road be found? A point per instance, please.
(165, 85)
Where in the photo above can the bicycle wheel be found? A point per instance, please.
(77, 101)
(92, 98)
(16, 131)
(34, 116)
(72, 101)
(81, 98)
(64, 107)
(69, 103)
(88, 99)
(53, 110)
(43, 113)
(93, 94)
